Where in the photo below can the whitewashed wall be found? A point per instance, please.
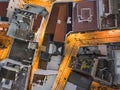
(12, 5)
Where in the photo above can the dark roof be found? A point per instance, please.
(20, 52)
(76, 79)
(8, 74)
(45, 56)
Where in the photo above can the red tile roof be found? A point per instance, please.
(85, 25)
(3, 8)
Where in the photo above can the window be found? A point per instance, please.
(7, 82)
